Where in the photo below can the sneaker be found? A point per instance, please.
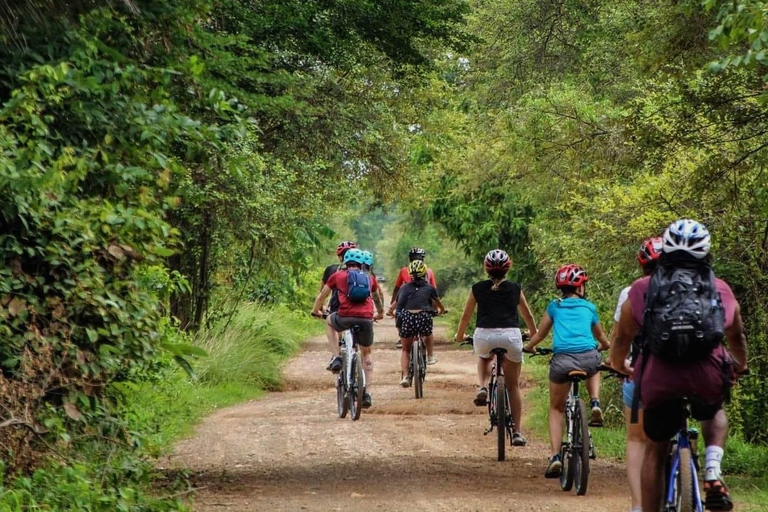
(717, 495)
(335, 364)
(481, 398)
(554, 468)
(399, 344)
(366, 400)
(405, 382)
(518, 439)
(431, 360)
(597, 415)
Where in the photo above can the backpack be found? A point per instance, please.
(358, 285)
(684, 317)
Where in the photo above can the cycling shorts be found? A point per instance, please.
(413, 324)
(662, 422)
(510, 338)
(343, 323)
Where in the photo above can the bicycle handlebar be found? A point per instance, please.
(612, 371)
(540, 351)
(323, 315)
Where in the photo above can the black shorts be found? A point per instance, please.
(342, 323)
(662, 422)
(413, 324)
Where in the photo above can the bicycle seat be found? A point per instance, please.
(577, 374)
(500, 351)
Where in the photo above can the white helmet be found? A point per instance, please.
(689, 236)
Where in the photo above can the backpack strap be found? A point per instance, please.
(634, 416)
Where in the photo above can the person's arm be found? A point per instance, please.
(544, 327)
(432, 279)
(625, 333)
(318, 306)
(737, 342)
(438, 305)
(525, 311)
(469, 308)
(597, 331)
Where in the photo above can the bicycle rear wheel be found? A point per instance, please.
(501, 416)
(356, 388)
(342, 405)
(581, 448)
(685, 483)
(416, 365)
(566, 450)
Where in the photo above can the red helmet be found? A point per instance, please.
(344, 247)
(571, 275)
(497, 260)
(650, 250)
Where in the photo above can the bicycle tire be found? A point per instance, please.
(416, 365)
(342, 405)
(356, 389)
(501, 417)
(581, 451)
(685, 483)
(566, 451)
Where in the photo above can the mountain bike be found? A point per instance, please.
(417, 367)
(577, 447)
(682, 482)
(499, 405)
(350, 381)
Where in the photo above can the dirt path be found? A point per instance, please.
(289, 450)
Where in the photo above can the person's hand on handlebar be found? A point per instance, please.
(317, 313)
(379, 316)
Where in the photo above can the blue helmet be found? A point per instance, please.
(368, 258)
(688, 236)
(355, 256)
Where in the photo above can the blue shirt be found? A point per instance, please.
(572, 320)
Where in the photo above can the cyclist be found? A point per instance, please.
(498, 303)
(663, 383)
(416, 253)
(333, 337)
(352, 313)
(648, 258)
(368, 268)
(577, 333)
(415, 305)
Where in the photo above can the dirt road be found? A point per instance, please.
(289, 450)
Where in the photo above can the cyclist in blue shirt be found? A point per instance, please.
(577, 332)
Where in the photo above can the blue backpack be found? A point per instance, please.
(358, 285)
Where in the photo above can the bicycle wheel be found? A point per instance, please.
(342, 405)
(581, 448)
(416, 365)
(501, 416)
(356, 388)
(685, 483)
(566, 449)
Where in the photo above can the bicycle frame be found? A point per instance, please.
(682, 441)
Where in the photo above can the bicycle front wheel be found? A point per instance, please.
(416, 365)
(501, 416)
(356, 388)
(581, 448)
(685, 483)
(341, 395)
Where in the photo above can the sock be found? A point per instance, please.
(595, 402)
(713, 456)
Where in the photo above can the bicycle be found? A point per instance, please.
(417, 367)
(498, 403)
(682, 482)
(577, 447)
(350, 382)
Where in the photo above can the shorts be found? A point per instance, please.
(413, 324)
(564, 363)
(342, 323)
(509, 338)
(662, 422)
(628, 392)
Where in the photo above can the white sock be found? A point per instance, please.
(713, 456)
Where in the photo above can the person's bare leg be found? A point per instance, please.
(405, 355)
(558, 395)
(715, 431)
(367, 353)
(512, 380)
(333, 339)
(429, 341)
(653, 474)
(636, 441)
(593, 386)
(483, 371)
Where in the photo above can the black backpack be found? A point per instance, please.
(684, 315)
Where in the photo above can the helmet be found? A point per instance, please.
(417, 268)
(571, 275)
(354, 256)
(368, 258)
(344, 247)
(497, 260)
(416, 253)
(650, 250)
(687, 235)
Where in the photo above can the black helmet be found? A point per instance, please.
(416, 253)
